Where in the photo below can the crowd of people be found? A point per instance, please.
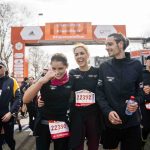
(84, 105)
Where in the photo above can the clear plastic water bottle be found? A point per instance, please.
(130, 101)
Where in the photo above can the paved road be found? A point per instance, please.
(26, 142)
(23, 140)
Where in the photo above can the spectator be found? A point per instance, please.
(31, 108)
(10, 100)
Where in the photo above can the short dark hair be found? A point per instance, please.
(2, 63)
(25, 78)
(148, 57)
(59, 57)
(118, 37)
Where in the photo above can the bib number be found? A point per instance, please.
(84, 98)
(58, 129)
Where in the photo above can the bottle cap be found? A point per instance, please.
(132, 98)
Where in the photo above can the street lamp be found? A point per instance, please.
(39, 14)
(146, 43)
(1, 19)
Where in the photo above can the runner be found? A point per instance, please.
(120, 78)
(52, 121)
(84, 115)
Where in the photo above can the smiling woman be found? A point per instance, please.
(52, 119)
(81, 55)
(85, 117)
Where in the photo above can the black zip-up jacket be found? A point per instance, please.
(10, 97)
(118, 80)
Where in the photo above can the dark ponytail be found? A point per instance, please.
(60, 57)
(118, 37)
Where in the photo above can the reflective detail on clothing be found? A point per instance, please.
(15, 87)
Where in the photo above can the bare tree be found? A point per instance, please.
(38, 60)
(10, 15)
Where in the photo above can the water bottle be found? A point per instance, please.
(130, 101)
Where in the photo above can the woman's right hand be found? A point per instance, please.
(40, 102)
(49, 76)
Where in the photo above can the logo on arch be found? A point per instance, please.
(102, 31)
(31, 33)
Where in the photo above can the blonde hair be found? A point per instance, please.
(81, 45)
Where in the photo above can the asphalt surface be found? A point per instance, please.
(24, 141)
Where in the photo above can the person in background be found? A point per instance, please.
(31, 108)
(52, 121)
(24, 85)
(84, 113)
(145, 107)
(10, 100)
(120, 78)
(45, 70)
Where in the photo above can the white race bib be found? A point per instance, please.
(84, 98)
(58, 129)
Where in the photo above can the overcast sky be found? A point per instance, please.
(135, 14)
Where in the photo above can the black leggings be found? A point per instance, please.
(2, 139)
(91, 134)
(43, 140)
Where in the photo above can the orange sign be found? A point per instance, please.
(59, 31)
(138, 53)
(68, 31)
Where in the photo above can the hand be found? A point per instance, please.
(49, 76)
(40, 102)
(146, 89)
(6, 117)
(132, 107)
(114, 118)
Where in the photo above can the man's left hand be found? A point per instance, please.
(6, 117)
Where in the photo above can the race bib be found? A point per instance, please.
(84, 98)
(147, 105)
(58, 129)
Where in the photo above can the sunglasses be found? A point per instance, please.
(1, 67)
